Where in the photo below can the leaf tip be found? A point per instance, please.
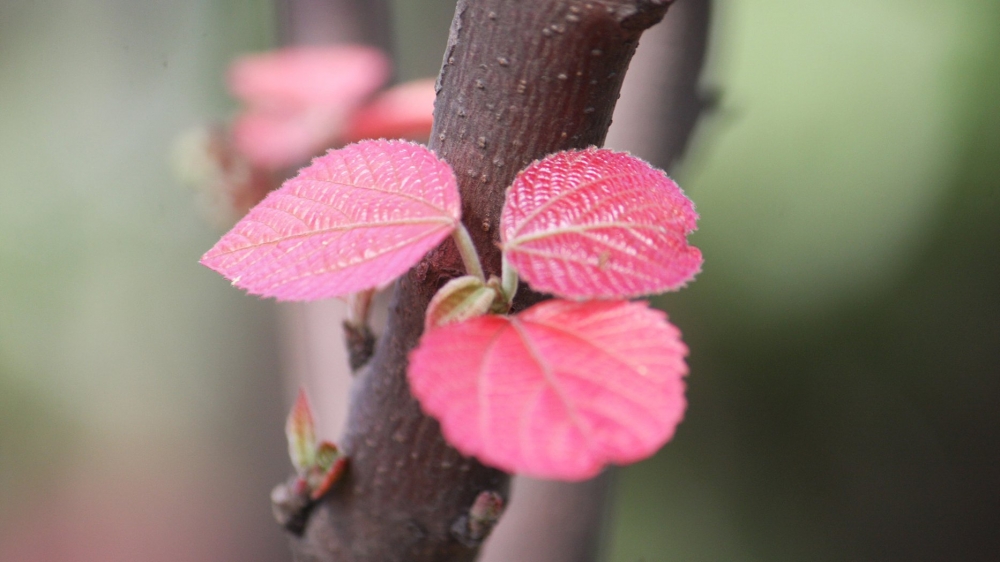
(300, 429)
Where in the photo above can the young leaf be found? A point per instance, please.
(458, 300)
(355, 219)
(598, 224)
(300, 429)
(329, 467)
(558, 391)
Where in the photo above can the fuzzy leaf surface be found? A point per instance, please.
(355, 219)
(458, 300)
(598, 224)
(558, 391)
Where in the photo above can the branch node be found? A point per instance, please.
(360, 344)
(291, 504)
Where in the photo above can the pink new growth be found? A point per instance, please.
(300, 429)
(355, 219)
(558, 391)
(302, 100)
(598, 224)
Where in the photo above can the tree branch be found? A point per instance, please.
(519, 80)
(659, 106)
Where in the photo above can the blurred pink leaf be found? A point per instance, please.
(277, 139)
(309, 75)
(355, 219)
(405, 111)
(300, 429)
(299, 98)
(558, 391)
(598, 224)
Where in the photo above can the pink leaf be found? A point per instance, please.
(300, 429)
(558, 391)
(299, 99)
(355, 219)
(598, 224)
(406, 111)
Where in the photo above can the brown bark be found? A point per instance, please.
(519, 80)
(654, 119)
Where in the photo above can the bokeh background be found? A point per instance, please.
(844, 396)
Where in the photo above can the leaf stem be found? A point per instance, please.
(468, 251)
(508, 280)
(358, 308)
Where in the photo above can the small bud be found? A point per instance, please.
(318, 467)
(459, 300)
(330, 466)
(300, 429)
(360, 342)
(472, 529)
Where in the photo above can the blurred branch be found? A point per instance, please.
(661, 99)
(323, 22)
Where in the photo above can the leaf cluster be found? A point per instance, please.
(556, 391)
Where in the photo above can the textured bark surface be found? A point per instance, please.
(659, 106)
(519, 80)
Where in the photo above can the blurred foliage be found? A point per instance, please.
(121, 359)
(845, 333)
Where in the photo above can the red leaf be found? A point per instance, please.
(558, 391)
(598, 224)
(405, 111)
(300, 429)
(355, 219)
(299, 99)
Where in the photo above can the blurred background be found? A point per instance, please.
(844, 396)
